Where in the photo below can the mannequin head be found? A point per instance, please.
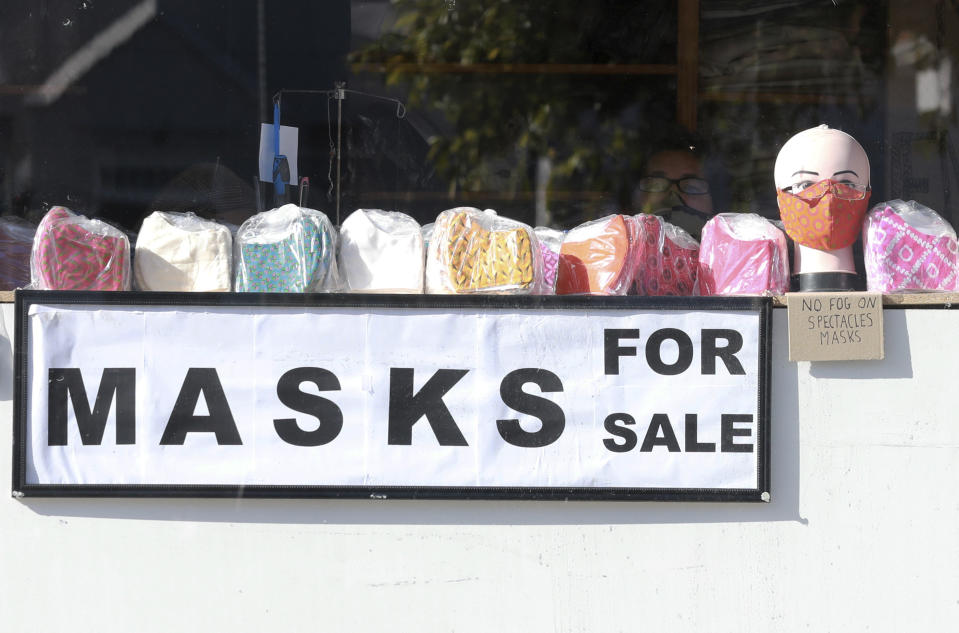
(823, 218)
(820, 153)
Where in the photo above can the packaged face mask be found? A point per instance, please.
(742, 253)
(181, 252)
(72, 252)
(550, 243)
(289, 249)
(473, 251)
(599, 257)
(670, 260)
(550, 267)
(381, 251)
(908, 247)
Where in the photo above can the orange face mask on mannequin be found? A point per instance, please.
(826, 216)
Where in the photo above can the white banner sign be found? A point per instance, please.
(349, 401)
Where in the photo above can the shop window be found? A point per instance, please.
(548, 112)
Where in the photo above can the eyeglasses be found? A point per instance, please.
(809, 190)
(658, 184)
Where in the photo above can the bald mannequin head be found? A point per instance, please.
(820, 153)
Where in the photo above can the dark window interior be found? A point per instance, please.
(544, 111)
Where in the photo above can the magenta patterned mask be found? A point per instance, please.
(71, 252)
(899, 257)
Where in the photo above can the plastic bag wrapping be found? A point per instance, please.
(182, 252)
(649, 253)
(669, 264)
(232, 228)
(908, 247)
(473, 251)
(289, 249)
(550, 243)
(742, 253)
(16, 242)
(600, 257)
(427, 232)
(381, 251)
(73, 252)
(551, 238)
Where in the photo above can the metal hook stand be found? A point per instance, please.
(338, 94)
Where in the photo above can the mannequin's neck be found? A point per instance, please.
(810, 260)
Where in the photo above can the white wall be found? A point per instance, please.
(862, 534)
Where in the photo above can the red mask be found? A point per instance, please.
(826, 216)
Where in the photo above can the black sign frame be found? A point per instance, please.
(24, 299)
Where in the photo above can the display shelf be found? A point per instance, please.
(919, 299)
(925, 299)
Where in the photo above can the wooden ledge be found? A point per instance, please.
(920, 299)
(924, 299)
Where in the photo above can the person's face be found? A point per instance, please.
(674, 165)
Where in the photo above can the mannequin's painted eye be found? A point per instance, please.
(799, 186)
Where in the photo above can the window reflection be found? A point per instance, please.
(550, 113)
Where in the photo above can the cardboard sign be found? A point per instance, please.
(835, 326)
(352, 396)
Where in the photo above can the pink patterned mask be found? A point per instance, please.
(899, 257)
(670, 260)
(550, 265)
(68, 255)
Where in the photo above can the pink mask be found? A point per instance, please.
(742, 254)
(899, 257)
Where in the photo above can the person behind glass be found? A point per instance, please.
(673, 185)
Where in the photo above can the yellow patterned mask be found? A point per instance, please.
(483, 259)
